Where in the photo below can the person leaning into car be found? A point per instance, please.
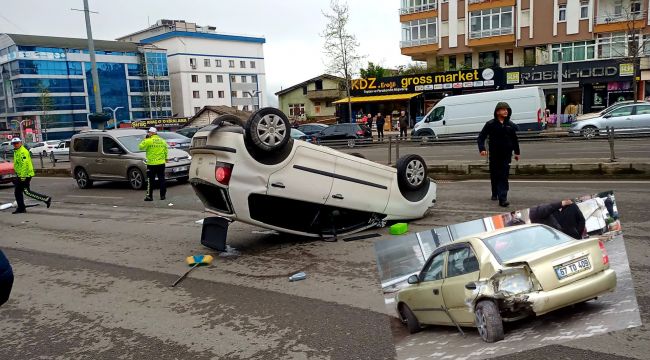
(156, 149)
(502, 136)
(24, 172)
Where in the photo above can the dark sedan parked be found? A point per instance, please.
(353, 133)
(311, 129)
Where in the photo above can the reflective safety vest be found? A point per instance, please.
(156, 148)
(23, 165)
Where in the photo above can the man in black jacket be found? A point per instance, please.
(502, 137)
(6, 278)
(563, 215)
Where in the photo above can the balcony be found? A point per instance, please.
(418, 8)
(621, 22)
(474, 5)
(419, 49)
(492, 37)
(419, 42)
(326, 94)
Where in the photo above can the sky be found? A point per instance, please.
(292, 28)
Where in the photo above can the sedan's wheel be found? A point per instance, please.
(488, 321)
(351, 143)
(268, 129)
(412, 322)
(136, 180)
(589, 132)
(83, 181)
(412, 171)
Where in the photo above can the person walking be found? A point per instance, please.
(371, 120)
(403, 124)
(380, 126)
(156, 149)
(501, 134)
(24, 169)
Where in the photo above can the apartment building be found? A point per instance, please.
(313, 98)
(527, 38)
(208, 68)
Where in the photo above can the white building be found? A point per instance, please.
(207, 68)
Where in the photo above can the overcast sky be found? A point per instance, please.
(293, 49)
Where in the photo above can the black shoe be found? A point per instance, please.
(162, 197)
(19, 211)
(48, 202)
(148, 199)
(504, 203)
(494, 198)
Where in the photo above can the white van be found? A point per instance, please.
(466, 114)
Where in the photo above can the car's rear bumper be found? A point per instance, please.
(581, 290)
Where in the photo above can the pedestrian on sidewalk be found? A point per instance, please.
(24, 169)
(156, 149)
(371, 120)
(380, 126)
(403, 124)
(501, 134)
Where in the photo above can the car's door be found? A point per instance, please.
(360, 186)
(329, 133)
(308, 176)
(113, 165)
(426, 298)
(641, 117)
(462, 268)
(437, 121)
(86, 153)
(620, 118)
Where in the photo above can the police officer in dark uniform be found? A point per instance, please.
(502, 135)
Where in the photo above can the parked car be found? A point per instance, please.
(188, 131)
(61, 151)
(353, 133)
(255, 173)
(114, 155)
(175, 140)
(504, 275)
(6, 148)
(299, 135)
(43, 147)
(311, 129)
(7, 173)
(626, 117)
(608, 109)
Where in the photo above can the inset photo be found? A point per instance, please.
(510, 282)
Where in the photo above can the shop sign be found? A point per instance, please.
(145, 124)
(512, 77)
(587, 71)
(41, 55)
(460, 79)
(626, 69)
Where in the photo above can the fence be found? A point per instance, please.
(44, 161)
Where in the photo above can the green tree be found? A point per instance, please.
(45, 104)
(415, 69)
(373, 71)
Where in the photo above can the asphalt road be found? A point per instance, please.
(93, 275)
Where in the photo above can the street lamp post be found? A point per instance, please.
(114, 111)
(558, 120)
(20, 125)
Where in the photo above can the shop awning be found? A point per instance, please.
(358, 99)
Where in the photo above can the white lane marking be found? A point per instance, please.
(95, 196)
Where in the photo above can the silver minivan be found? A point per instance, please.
(113, 155)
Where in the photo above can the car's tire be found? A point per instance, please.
(82, 178)
(425, 135)
(589, 132)
(235, 120)
(268, 129)
(488, 321)
(136, 179)
(351, 143)
(358, 155)
(412, 323)
(183, 180)
(411, 172)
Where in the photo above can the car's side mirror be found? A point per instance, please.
(607, 116)
(115, 151)
(413, 279)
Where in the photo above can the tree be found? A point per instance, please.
(341, 46)
(45, 104)
(373, 71)
(415, 69)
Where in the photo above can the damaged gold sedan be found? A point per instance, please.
(504, 275)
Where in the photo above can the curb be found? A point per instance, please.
(52, 172)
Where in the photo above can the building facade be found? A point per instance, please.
(208, 68)
(527, 39)
(46, 84)
(313, 98)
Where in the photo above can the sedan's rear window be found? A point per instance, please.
(513, 244)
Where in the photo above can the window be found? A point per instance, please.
(488, 59)
(206, 62)
(108, 143)
(217, 63)
(219, 78)
(304, 90)
(318, 84)
(412, 6)
(221, 94)
(195, 94)
(468, 60)
(208, 79)
(252, 64)
(233, 94)
(231, 63)
(584, 10)
(491, 22)
(635, 7)
(623, 111)
(245, 94)
(233, 79)
(642, 109)
(561, 13)
(509, 57)
(254, 79)
(419, 32)
(210, 94)
(196, 110)
(509, 245)
(529, 56)
(433, 270)
(575, 51)
(461, 261)
(195, 78)
(242, 64)
(612, 45)
(193, 63)
(452, 62)
(299, 110)
(243, 78)
(437, 114)
(88, 144)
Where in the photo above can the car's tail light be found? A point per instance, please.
(172, 144)
(604, 251)
(222, 173)
(360, 132)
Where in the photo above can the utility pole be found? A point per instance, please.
(559, 91)
(93, 64)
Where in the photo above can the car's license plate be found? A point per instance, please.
(572, 268)
(199, 141)
(7, 176)
(179, 169)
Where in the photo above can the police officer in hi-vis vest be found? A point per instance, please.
(156, 149)
(24, 172)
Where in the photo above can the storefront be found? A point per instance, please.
(587, 86)
(160, 124)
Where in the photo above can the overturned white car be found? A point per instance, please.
(255, 173)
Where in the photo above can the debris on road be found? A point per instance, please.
(399, 229)
(194, 261)
(170, 204)
(298, 276)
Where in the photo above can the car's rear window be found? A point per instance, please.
(513, 244)
(86, 144)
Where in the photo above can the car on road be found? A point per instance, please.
(628, 118)
(6, 148)
(43, 147)
(608, 109)
(253, 172)
(114, 155)
(61, 151)
(504, 275)
(175, 140)
(188, 131)
(352, 133)
(299, 135)
(7, 173)
(311, 129)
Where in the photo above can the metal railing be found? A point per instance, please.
(417, 8)
(623, 17)
(419, 42)
(492, 32)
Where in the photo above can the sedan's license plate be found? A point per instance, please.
(572, 268)
(179, 169)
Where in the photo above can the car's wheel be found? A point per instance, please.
(183, 180)
(351, 143)
(412, 171)
(136, 179)
(82, 178)
(409, 318)
(488, 321)
(589, 132)
(268, 129)
(358, 155)
(425, 135)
